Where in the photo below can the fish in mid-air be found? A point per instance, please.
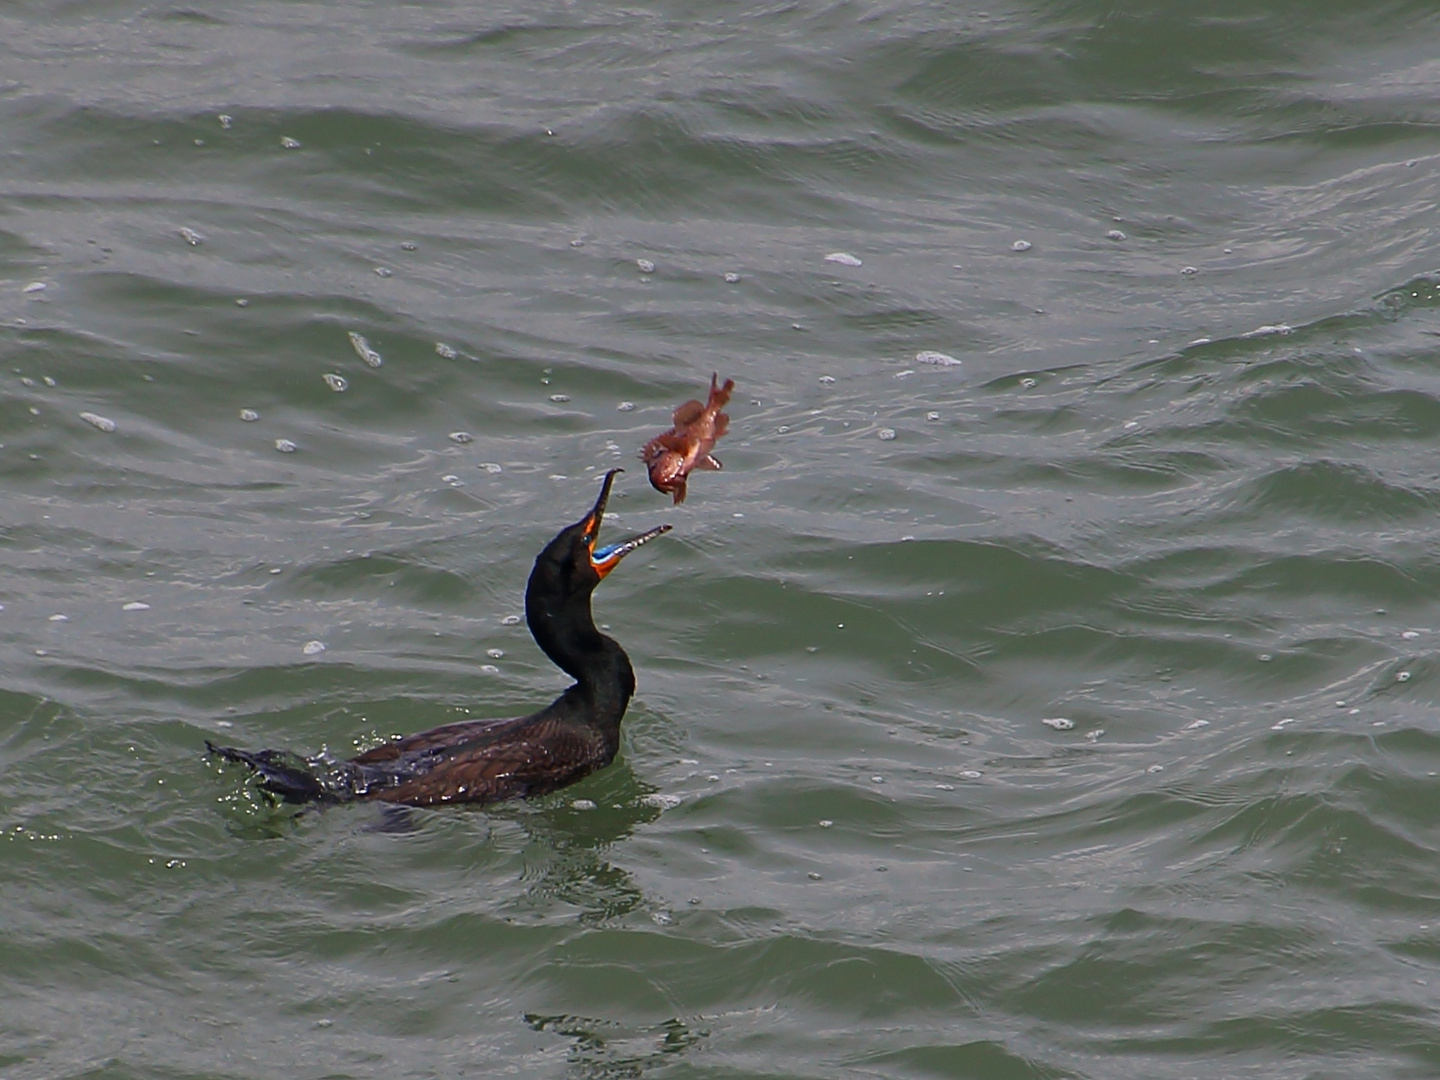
(672, 455)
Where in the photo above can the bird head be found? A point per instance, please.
(575, 561)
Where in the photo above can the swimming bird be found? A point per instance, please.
(481, 761)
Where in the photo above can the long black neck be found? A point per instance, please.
(565, 631)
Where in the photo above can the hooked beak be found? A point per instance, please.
(604, 559)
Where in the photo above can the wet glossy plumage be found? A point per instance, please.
(482, 761)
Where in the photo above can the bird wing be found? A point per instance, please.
(486, 771)
(436, 739)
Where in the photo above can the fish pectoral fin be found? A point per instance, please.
(705, 461)
(658, 447)
(688, 413)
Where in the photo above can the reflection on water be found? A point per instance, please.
(567, 835)
(603, 1050)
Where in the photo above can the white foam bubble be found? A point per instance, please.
(338, 383)
(313, 648)
(102, 423)
(363, 350)
(285, 446)
(843, 258)
(939, 359)
(1059, 723)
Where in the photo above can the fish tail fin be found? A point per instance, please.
(719, 395)
(280, 773)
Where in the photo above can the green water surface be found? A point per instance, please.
(1179, 492)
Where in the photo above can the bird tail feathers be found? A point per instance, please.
(282, 774)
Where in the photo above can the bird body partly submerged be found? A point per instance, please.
(481, 761)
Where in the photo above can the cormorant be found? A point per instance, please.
(481, 761)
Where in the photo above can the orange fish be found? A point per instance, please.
(687, 445)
